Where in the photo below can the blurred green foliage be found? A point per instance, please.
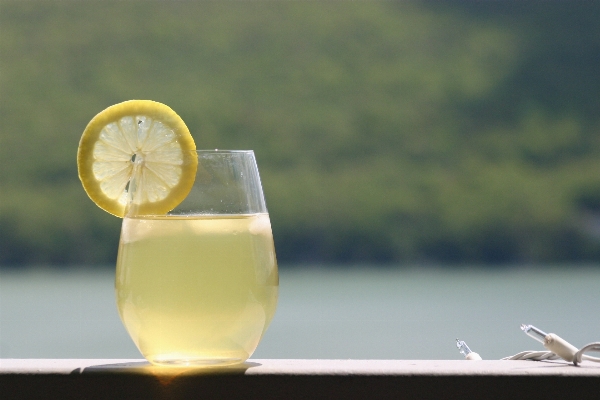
(384, 131)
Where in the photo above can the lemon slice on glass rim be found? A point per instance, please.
(137, 156)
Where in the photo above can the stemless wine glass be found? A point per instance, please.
(199, 285)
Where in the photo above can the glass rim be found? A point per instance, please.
(213, 151)
(205, 151)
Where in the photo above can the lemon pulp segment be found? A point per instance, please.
(137, 154)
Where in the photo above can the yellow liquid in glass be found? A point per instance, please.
(197, 290)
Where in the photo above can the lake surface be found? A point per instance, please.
(337, 313)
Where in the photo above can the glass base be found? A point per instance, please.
(196, 362)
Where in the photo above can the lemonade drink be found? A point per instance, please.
(197, 289)
(192, 288)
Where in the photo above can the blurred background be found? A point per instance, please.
(431, 169)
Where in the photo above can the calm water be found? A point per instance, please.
(360, 313)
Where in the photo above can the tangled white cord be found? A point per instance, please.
(533, 356)
(558, 348)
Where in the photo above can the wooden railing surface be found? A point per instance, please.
(299, 379)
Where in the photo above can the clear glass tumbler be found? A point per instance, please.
(199, 285)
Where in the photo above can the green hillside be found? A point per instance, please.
(384, 131)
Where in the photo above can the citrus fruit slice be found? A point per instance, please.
(137, 155)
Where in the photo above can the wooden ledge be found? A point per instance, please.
(298, 379)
